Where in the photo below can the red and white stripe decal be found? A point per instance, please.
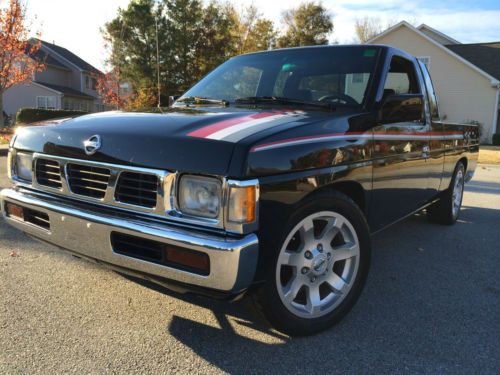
(228, 129)
(354, 136)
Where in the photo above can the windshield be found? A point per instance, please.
(332, 75)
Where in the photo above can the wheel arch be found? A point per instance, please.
(464, 161)
(352, 189)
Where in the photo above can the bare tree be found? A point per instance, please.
(366, 28)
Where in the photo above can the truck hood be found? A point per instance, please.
(201, 140)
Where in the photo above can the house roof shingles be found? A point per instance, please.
(486, 56)
(45, 57)
(66, 90)
(71, 57)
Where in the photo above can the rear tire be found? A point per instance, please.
(320, 267)
(447, 209)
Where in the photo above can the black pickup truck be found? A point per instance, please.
(268, 176)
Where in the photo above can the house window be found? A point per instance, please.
(87, 82)
(47, 102)
(426, 60)
(94, 83)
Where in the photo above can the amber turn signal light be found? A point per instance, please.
(242, 204)
(13, 210)
(188, 258)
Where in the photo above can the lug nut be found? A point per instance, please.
(308, 254)
(329, 255)
(313, 279)
(305, 270)
(320, 248)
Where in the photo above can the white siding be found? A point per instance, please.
(54, 76)
(463, 93)
(438, 38)
(24, 96)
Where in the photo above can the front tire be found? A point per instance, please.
(320, 268)
(447, 209)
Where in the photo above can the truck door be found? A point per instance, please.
(400, 150)
(437, 146)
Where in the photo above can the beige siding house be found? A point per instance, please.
(466, 76)
(67, 82)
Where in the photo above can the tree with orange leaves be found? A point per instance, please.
(119, 95)
(17, 62)
(111, 89)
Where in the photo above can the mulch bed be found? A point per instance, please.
(5, 135)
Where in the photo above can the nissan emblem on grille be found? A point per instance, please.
(92, 145)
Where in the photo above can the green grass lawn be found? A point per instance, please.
(489, 154)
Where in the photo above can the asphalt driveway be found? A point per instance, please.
(431, 305)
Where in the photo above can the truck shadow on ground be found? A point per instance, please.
(413, 310)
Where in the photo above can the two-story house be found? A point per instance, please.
(67, 82)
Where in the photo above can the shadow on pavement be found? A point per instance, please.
(483, 187)
(430, 303)
(425, 295)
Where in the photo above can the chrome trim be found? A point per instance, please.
(167, 182)
(10, 164)
(166, 202)
(92, 145)
(109, 197)
(233, 261)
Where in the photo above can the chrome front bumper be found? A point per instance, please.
(86, 231)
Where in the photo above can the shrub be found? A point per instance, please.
(4, 139)
(496, 139)
(29, 115)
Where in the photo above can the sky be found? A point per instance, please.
(75, 24)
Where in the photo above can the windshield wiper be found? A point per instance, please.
(282, 100)
(202, 100)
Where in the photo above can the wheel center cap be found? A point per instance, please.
(319, 264)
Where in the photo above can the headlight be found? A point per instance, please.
(23, 166)
(242, 208)
(200, 196)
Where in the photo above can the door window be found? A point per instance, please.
(401, 78)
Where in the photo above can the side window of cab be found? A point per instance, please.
(402, 100)
(401, 78)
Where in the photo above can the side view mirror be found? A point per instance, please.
(402, 108)
(172, 99)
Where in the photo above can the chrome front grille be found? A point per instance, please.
(126, 187)
(134, 189)
(48, 173)
(87, 180)
(139, 189)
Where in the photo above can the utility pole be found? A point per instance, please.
(158, 64)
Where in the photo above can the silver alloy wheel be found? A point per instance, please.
(317, 264)
(458, 191)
